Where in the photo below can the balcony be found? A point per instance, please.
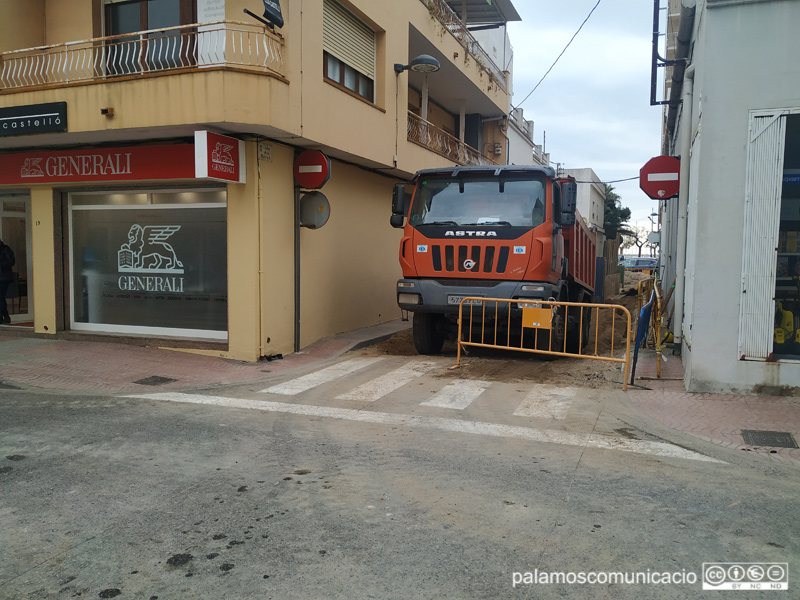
(427, 135)
(440, 10)
(158, 51)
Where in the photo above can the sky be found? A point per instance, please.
(593, 109)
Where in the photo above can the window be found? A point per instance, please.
(154, 52)
(348, 50)
(346, 76)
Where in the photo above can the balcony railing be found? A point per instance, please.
(447, 17)
(429, 136)
(198, 46)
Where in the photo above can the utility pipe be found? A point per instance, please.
(683, 203)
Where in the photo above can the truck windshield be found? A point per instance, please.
(478, 202)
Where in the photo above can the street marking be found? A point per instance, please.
(452, 425)
(546, 402)
(385, 384)
(458, 395)
(301, 384)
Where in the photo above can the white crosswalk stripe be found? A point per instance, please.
(546, 402)
(458, 395)
(385, 384)
(312, 380)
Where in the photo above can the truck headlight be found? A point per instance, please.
(532, 288)
(409, 299)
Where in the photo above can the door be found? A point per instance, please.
(15, 210)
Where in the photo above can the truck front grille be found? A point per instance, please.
(456, 257)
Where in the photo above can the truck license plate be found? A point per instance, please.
(458, 299)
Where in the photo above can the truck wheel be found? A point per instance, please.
(428, 336)
(577, 339)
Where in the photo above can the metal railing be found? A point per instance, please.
(447, 17)
(542, 327)
(428, 135)
(197, 46)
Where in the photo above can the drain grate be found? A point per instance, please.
(155, 380)
(774, 439)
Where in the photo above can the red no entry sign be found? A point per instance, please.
(660, 177)
(312, 169)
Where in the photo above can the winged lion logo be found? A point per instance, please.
(147, 250)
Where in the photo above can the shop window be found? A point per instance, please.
(150, 263)
(348, 50)
(786, 337)
(128, 55)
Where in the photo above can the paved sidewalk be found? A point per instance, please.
(716, 418)
(116, 368)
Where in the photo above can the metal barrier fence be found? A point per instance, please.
(542, 327)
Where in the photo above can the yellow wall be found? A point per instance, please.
(43, 259)
(277, 251)
(28, 24)
(350, 266)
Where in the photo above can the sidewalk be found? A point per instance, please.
(716, 418)
(117, 368)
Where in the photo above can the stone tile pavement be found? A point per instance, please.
(716, 418)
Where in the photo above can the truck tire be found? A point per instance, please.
(428, 335)
(577, 339)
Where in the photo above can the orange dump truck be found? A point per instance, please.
(509, 232)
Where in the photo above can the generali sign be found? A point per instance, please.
(136, 163)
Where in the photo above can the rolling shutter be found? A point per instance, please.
(761, 223)
(348, 39)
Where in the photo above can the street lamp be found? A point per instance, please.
(424, 63)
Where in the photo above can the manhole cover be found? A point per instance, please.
(774, 439)
(155, 380)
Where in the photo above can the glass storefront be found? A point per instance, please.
(786, 338)
(150, 262)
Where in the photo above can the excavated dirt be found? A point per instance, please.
(508, 366)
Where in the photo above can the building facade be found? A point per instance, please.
(149, 160)
(729, 240)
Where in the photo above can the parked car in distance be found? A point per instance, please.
(639, 264)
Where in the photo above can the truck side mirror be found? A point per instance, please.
(400, 199)
(397, 221)
(569, 201)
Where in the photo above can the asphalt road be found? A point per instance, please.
(254, 492)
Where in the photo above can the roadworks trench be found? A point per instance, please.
(502, 365)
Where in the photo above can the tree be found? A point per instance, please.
(615, 215)
(634, 236)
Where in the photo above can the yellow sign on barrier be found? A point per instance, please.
(537, 317)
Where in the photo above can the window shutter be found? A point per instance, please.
(761, 222)
(348, 39)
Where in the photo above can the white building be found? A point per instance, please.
(730, 241)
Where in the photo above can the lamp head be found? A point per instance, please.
(424, 63)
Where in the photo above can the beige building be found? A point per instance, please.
(148, 160)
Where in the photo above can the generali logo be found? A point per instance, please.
(221, 157)
(82, 165)
(147, 253)
(147, 250)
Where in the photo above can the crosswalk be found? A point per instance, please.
(542, 401)
(362, 390)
